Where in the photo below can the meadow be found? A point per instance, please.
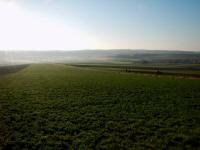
(58, 106)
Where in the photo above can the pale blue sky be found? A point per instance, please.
(102, 24)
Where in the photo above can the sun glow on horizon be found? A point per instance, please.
(23, 30)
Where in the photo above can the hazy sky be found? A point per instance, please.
(99, 24)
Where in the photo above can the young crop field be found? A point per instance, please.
(56, 106)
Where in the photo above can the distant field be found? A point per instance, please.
(11, 69)
(171, 70)
(56, 106)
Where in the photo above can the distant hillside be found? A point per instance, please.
(128, 56)
(176, 57)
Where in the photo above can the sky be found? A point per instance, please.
(99, 24)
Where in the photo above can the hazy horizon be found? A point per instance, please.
(94, 25)
(76, 50)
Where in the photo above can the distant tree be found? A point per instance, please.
(158, 72)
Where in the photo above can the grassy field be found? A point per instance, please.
(55, 106)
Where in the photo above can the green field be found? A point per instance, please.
(56, 106)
